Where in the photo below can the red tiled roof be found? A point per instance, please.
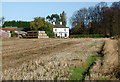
(9, 29)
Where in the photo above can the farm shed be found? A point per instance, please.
(7, 32)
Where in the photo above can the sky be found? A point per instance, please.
(26, 11)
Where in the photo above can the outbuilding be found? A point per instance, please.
(7, 31)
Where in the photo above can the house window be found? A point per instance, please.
(55, 29)
(64, 29)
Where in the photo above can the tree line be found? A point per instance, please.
(20, 24)
(99, 19)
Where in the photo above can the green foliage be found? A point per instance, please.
(57, 18)
(90, 36)
(48, 28)
(79, 72)
(20, 24)
(40, 24)
(53, 18)
(37, 23)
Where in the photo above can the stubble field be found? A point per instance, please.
(45, 59)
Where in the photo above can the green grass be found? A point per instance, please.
(79, 72)
(91, 59)
(85, 36)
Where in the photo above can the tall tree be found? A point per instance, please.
(57, 18)
(79, 20)
(78, 29)
(53, 18)
(116, 14)
(63, 18)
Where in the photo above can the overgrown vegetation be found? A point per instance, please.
(80, 72)
(90, 36)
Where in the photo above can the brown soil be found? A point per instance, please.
(45, 59)
(19, 51)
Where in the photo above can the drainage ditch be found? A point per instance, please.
(100, 54)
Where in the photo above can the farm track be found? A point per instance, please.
(21, 57)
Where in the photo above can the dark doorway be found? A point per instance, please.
(55, 35)
(65, 35)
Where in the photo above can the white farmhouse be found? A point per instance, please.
(60, 30)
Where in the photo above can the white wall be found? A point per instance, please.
(61, 32)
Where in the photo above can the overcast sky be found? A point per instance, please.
(26, 11)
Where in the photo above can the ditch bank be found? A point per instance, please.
(106, 64)
(80, 73)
